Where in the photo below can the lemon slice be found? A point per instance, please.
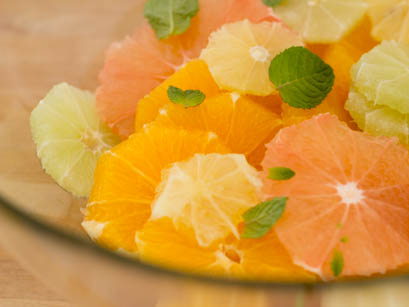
(322, 21)
(70, 137)
(239, 55)
(209, 193)
(390, 19)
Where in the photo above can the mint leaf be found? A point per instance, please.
(189, 98)
(272, 3)
(344, 240)
(261, 218)
(170, 17)
(280, 173)
(337, 263)
(301, 77)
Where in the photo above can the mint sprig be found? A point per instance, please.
(188, 98)
(272, 3)
(337, 263)
(302, 78)
(170, 17)
(261, 218)
(280, 173)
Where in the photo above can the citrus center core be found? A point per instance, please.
(350, 193)
(92, 141)
(259, 53)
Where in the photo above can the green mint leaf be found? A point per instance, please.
(170, 17)
(337, 263)
(280, 173)
(189, 98)
(344, 240)
(301, 77)
(261, 218)
(272, 3)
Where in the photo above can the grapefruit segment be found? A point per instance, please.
(341, 191)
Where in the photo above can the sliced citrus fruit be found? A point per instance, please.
(239, 54)
(322, 21)
(350, 194)
(390, 19)
(141, 62)
(126, 178)
(208, 193)
(241, 123)
(382, 75)
(377, 120)
(194, 75)
(70, 137)
(379, 100)
(160, 243)
(340, 56)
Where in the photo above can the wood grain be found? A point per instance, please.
(43, 43)
(19, 289)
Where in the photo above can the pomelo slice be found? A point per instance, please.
(208, 193)
(141, 62)
(390, 19)
(377, 120)
(379, 99)
(127, 176)
(322, 21)
(239, 55)
(350, 193)
(70, 137)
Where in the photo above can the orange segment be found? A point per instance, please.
(194, 76)
(347, 185)
(340, 56)
(263, 259)
(138, 64)
(126, 178)
(240, 122)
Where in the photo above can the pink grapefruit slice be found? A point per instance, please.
(350, 194)
(140, 63)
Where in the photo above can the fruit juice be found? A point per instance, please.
(257, 140)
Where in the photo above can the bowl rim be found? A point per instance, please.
(70, 238)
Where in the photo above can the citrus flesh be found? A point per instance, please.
(342, 198)
(208, 193)
(340, 56)
(239, 55)
(242, 124)
(378, 101)
(322, 21)
(70, 137)
(160, 243)
(126, 178)
(195, 75)
(138, 64)
(390, 19)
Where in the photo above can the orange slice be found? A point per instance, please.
(193, 76)
(350, 193)
(241, 123)
(263, 259)
(126, 178)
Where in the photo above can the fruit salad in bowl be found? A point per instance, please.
(244, 141)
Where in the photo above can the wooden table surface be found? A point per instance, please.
(18, 288)
(42, 43)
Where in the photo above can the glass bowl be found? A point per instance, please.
(45, 42)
